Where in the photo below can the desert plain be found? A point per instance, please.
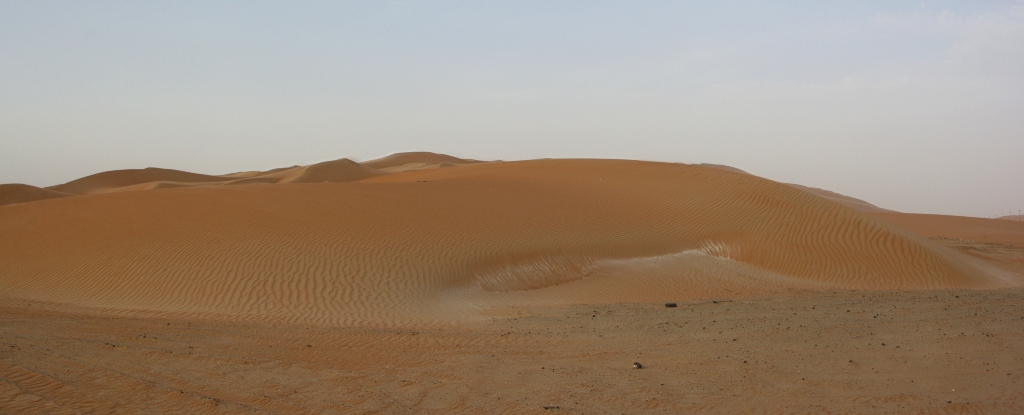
(426, 283)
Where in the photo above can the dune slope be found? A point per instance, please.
(434, 244)
(22, 193)
(977, 229)
(850, 202)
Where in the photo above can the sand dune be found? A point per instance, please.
(445, 243)
(343, 170)
(157, 185)
(417, 160)
(254, 173)
(22, 193)
(336, 171)
(109, 180)
(416, 166)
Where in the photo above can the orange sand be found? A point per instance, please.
(978, 229)
(438, 244)
(23, 193)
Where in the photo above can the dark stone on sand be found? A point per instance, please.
(670, 304)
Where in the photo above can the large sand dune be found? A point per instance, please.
(439, 244)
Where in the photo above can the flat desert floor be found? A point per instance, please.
(424, 283)
(899, 352)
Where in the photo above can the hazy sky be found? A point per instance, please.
(914, 106)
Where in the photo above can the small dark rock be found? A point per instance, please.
(637, 365)
(550, 407)
(670, 305)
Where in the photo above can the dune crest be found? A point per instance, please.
(108, 180)
(850, 202)
(335, 171)
(417, 160)
(152, 178)
(343, 170)
(723, 167)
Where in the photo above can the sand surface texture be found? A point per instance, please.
(861, 352)
(402, 275)
(438, 244)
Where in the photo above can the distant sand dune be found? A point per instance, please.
(161, 184)
(247, 174)
(336, 171)
(120, 178)
(977, 229)
(421, 158)
(432, 244)
(22, 193)
(343, 170)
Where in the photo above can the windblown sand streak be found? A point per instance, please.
(421, 244)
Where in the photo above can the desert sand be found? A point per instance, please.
(426, 283)
(22, 193)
